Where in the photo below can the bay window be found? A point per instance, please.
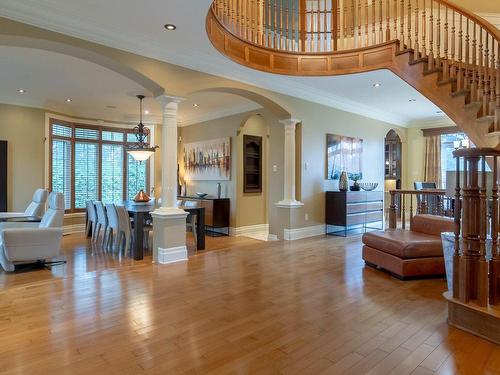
(90, 163)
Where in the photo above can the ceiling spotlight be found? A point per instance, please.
(377, 85)
(21, 91)
(196, 105)
(69, 100)
(111, 106)
(439, 112)
(412, 100)
(170, 27)
(146, 112)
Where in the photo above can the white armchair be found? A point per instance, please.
(35, 208)
(20, 243)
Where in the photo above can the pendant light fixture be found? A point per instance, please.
(141, 150)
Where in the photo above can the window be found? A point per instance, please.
(90, 163)
(449, 143)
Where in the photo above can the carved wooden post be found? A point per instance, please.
(457, 215)
(392, 211)
(482, 275)
(495, 262)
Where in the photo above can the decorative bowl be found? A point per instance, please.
(368, 186)
(202, 195)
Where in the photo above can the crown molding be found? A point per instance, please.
(431, 123)
(48, 17)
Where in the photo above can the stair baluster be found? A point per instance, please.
(416, 46)
(395, 19)
(409, 42)
(388, 21)
(430, 63)
(438, 36)
(402, 22)
(477, 62)
(424, 31)
(446, 67)
(486, 79)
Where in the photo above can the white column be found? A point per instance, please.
(169, 222)
(289, 167)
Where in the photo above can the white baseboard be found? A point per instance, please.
(72, 229)
(172, 255)
(258, 232)
(306, 232)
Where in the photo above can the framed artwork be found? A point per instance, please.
(343, 154)
(208, 160)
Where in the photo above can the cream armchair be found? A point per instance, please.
(35, 208)
(23, 243)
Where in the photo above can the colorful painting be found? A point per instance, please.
(343, 154)
(208, 160)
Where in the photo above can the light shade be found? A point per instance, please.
(141, 154)
(389, 185)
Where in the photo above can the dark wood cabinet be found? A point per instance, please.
(348, 210)
(3, 176)
(252, 164)
(217, 210)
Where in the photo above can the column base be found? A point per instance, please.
(172, 255)
(169, 235)
(289, 203)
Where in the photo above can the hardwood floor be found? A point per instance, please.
(249, 307)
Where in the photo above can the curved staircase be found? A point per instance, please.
(445, 52)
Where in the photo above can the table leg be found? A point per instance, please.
(200, 230)
(138, 248)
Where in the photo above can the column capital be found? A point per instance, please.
(167, 99)
(290, 122)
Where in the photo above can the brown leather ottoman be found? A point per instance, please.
(409, 253)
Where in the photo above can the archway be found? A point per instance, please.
(66, 49)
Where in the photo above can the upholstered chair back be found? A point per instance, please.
(102, 218)
(91, 212)
(54, 217)
(37, 205)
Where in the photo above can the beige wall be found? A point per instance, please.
(479, 6)
(24, 129)
(246, 209)
(317, 121)
(252, 207)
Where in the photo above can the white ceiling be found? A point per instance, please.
(50, 78)
(137, 26)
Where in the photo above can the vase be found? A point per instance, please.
(344, 182)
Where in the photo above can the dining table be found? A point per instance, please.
(140, 212)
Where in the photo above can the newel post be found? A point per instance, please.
(392, 210)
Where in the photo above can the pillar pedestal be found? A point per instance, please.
(169, 222)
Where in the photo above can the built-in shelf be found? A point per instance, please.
(252, 164)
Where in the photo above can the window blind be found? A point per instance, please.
(62, 130)
(86, 173)
(61, 169)
(112, 173)
(112, 136)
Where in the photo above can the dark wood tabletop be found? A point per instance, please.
(140, 211)
(21, 219)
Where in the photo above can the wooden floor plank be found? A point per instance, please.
(241, 307)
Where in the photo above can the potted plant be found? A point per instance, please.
(355, 177)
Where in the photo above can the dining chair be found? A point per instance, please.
(113, 228)
(124, 234)
(102, 221)
(91, 219)
(191, 220)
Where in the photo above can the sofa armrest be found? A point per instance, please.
(18, 224)
(23, 244)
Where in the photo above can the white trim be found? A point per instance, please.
(172, 255)
(248, 230)
(214, 115)
(289, 204)
(306, 232)
(431, 123)
(72, 229)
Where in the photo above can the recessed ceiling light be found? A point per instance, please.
(439, 112)
(146, 112)
(21, 91)
(170, 27)
(111, 106)
(412, 100)
(69, 100)
(196, 105)
(377, 85)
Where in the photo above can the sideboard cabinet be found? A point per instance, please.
(217, 211)
(353, 210)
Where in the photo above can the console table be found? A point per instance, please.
(217, 211)
(353, 210)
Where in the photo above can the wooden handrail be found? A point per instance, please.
(288, 38)
(407, 203)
